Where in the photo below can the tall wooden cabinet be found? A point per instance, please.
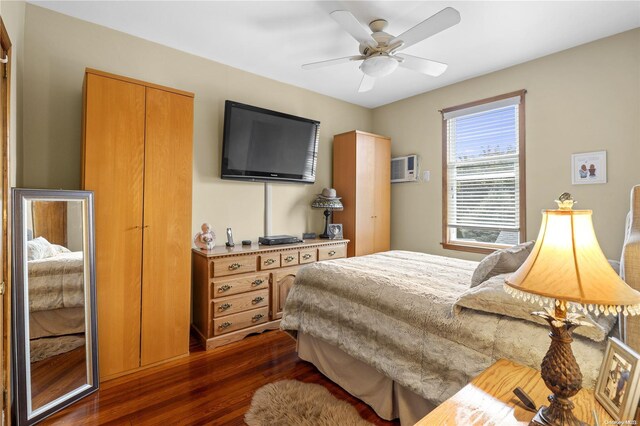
(362, 177)
(137, 158)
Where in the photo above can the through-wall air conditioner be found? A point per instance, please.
(404, 169)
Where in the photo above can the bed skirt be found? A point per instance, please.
(387, 398)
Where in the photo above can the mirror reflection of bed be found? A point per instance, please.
(56, 299)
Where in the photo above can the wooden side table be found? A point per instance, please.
(489, 399)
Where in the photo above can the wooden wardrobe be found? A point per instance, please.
(362, 177)
(137, 158)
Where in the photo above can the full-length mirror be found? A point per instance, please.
(54, 320)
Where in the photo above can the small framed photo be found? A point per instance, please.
(335, 231)
(617, 388)
(589, 167)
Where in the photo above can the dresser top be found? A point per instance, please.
(222, 250)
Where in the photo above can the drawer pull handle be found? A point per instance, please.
(288, 258)
(269, 261)
(224, 288)
(224, 325)
(257, 317)
(331, 253)
(234, 266)
(257, 300)
(224, 306)
(306, 256)
(257, 282)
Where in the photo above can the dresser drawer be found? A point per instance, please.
(269, 261)
(227, 287)
(233, 265)
(239, 321)
(240, 303)
(308, 256)
(289, 258)
(335, 252)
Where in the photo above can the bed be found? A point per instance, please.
(387, 328)
(56, 297)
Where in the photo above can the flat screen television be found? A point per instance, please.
(263, 145)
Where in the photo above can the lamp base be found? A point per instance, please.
(325, 234)
(559, 412)
(560, 372)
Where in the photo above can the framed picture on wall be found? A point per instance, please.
(617, 386)
(589, 167)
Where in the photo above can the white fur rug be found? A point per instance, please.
(294, 403)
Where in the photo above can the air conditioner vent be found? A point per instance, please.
(404, 169)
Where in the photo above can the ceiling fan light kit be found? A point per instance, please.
(378, 50)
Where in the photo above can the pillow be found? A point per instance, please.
(490, 297)
(501, 262)
(55, 249)
(40, 248)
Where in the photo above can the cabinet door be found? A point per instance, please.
(113, 159)
(281, 282)
(365, 194)
(166, 271)
(382, 195)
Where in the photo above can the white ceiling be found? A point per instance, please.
(273, 38)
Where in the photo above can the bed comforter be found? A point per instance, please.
(56, 282)
(393, 310)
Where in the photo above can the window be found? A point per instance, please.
(483, 173)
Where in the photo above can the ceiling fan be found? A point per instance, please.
(378, 50)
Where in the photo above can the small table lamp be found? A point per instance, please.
(328, 201)
(567, 265)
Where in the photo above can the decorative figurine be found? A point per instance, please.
(205, 240)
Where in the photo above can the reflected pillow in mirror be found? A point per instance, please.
(38, 248)
(490, 297)
(55, 249)
(501, 262)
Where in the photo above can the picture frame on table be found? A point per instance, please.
(335, 231)
(589, 168)
(617, 388)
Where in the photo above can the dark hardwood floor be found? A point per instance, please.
(205, 388)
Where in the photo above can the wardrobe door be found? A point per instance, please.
(113, 159)
(166, 271)
(365, 193)
(382, 195)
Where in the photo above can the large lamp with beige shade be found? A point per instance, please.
(567, 274)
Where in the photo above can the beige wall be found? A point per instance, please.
(583, 99)
(57, 50)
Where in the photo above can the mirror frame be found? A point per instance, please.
(20, 366)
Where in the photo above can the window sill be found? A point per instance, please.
(469, 248)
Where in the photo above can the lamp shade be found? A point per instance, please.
(327, 203)
(567, 264)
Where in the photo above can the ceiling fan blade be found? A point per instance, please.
(425, 66)
(350, 24)
(367, 83)
(446, 18)
(322, 64)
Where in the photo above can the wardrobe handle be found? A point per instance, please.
(234, 266)
(269, 261)
(224, 325)
(256, 283)
(306, 256)
(288, 258)
(257, 300)
(257, 317)
(331, 253)
(224, 306)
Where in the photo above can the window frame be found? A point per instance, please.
(485, 248)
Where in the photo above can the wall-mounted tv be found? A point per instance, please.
(263, 145)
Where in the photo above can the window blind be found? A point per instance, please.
(483, 176)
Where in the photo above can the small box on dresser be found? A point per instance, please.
(241, 290)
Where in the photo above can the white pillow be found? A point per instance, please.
(38, 248)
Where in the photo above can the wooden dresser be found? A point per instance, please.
(241, 290)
